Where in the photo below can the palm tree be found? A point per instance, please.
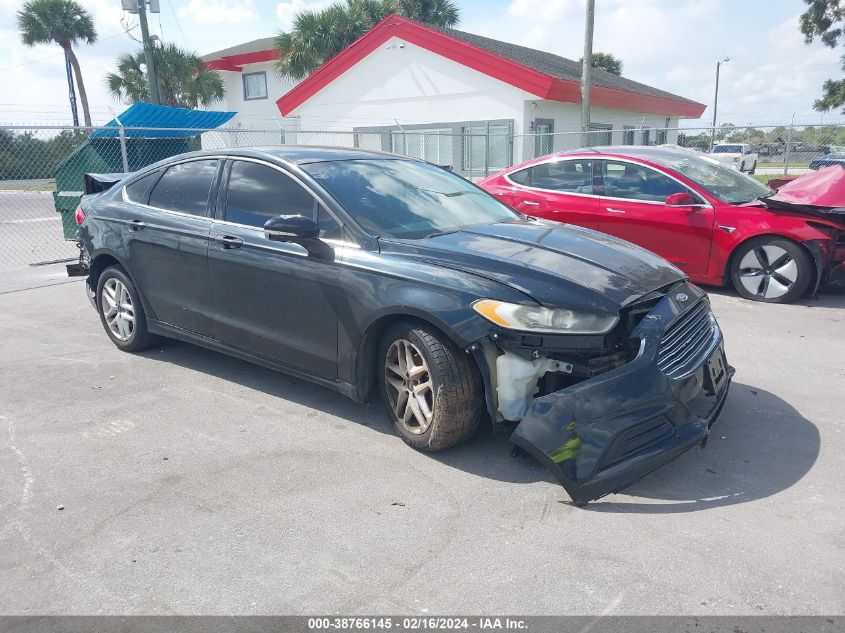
(62, 22)
(317, 36)
(184, 81)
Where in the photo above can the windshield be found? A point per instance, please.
(403, 198)
(727, 149)
(723, 182)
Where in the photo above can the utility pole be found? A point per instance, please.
(716, 100)
(71, 92)
(587, 71)
(149, 54)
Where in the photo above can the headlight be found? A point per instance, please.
(736, 159)
(515, 316)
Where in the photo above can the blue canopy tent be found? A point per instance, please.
(150, 134)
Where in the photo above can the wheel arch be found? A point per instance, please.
(366, 363)
(814, 254)
(105, 258)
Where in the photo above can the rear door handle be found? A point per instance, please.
(228, 241)
(136, 225)
(612, 210)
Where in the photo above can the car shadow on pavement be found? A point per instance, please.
(271, 382)
(759, 447)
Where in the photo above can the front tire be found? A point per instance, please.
(771, 270)
(431, 391)
(121, 311)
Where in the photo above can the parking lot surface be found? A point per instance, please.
(182, 481)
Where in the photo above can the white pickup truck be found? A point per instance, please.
(736, 155)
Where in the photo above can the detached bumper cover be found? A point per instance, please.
(603, 434)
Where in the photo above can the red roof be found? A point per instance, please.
(634, 97)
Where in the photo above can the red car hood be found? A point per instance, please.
(822, 188)
(821, 193)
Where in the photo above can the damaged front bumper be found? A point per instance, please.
(600, 435)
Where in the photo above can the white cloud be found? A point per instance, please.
(218, 11)
(286, 11)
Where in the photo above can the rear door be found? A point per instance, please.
(632, 206)
(273, 299)
(559, 190)
(166, 241)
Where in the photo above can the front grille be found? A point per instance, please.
(683, 343)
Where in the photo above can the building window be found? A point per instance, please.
(431, 144)
(660, 136)
(543, 139)
(481, 149)
(629, 135)
(600, 134)
(646, 136)
(255, 86)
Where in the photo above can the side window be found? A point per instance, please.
(329, 228)
(568, 176)
(257, 193)
(139, 191)
(635, 182)
(185, 187)
(521, 177)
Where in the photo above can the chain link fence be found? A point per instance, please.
(41, 168)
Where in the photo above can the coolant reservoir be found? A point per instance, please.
(516, 382)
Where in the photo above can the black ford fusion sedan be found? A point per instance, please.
(371, 273)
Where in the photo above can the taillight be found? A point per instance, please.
(80, 215)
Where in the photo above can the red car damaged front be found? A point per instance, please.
(719, 226)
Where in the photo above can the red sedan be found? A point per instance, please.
(719, 226)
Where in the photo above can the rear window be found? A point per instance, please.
(727, 149)
(185, 187)
(139, 190)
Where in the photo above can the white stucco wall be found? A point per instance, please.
(403, 82)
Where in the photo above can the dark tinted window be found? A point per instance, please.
(185, 187)
(571, 176)
(257, 193)
(139, 191)
(635, 182)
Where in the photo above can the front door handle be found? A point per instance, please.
(612, 210)
(136, 225)
(530, 203)
(228, 241)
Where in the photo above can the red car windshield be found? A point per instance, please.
(727, 184)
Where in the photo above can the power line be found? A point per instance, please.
(178, 25)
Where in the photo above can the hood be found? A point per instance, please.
(820, 193)
(558, 265)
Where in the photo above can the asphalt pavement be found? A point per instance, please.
(180, 481)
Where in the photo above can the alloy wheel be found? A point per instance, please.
(118, 310)
(409, 386)
(768, 271)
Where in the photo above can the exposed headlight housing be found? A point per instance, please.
(515, 316)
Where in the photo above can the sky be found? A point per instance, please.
(772, 74)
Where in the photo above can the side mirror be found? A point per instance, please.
(289, 228)
(681, 199)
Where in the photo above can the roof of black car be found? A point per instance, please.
(302, 154)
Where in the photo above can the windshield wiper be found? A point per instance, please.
(444, 232)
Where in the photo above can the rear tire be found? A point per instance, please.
(433, 394)
(753, 169)
(772, 270)
(121, 311)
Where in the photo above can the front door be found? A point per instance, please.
(166, 242)
(632, 206)
(272, 299)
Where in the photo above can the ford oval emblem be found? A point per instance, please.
(681, 296)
